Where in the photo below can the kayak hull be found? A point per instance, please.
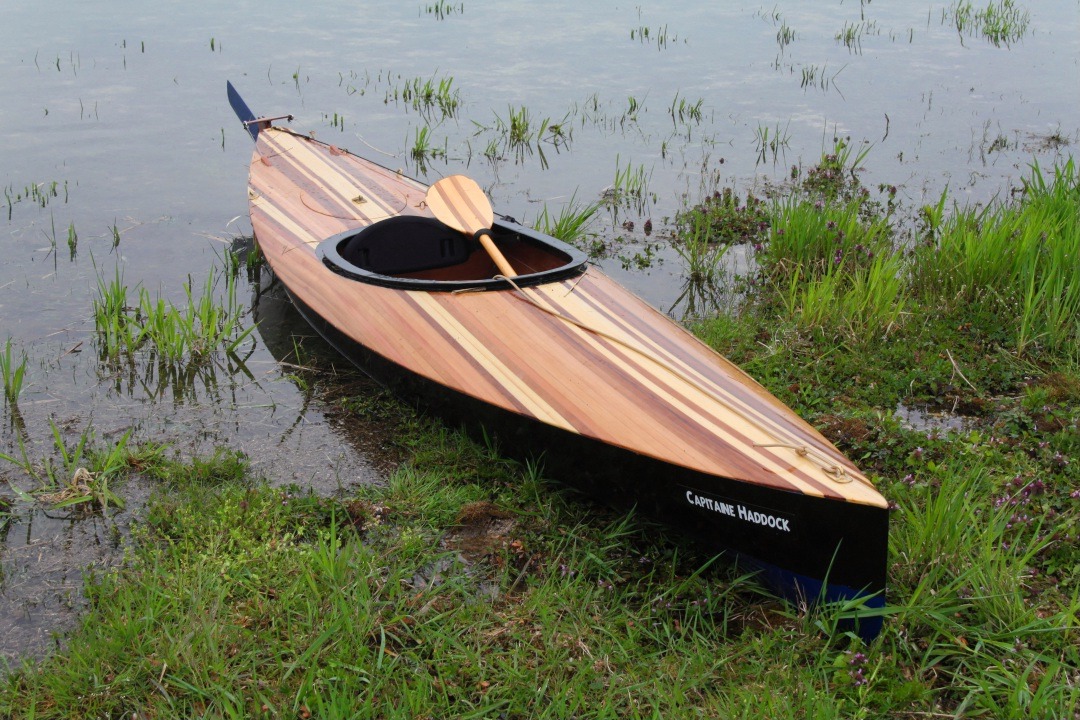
(564, 364)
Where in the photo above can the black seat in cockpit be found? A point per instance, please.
(406, 244)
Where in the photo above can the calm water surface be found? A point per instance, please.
(116, 113)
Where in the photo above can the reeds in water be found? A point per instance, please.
(12, 371)
(572, 222)
(205, 324)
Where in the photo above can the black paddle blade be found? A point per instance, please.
(242, 111)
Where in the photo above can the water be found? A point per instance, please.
(116, 113)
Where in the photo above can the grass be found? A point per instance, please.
(771, 142)
(1014, 259)
(785, 35)
(852, 34)
(686, 113)
(12, 372)
(646, 36)
(436, 99)
(80, 474)
(630, 188)
(469, 586)
(522, 135)
(1001, 23)
(571, 225)
(442, 9)
(423, 150)
(204, 325)
(40, 194)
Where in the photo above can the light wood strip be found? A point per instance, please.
(753, 399)
(731, 383)
(510, 380)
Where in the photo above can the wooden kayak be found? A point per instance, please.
(563, 362)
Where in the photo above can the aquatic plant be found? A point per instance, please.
(699, 248)
(572, 222)
(204, 325)
(1001, 23)
(814, 76)
(12, 371)
(785, 35)
(82, 473)
(423, 150)
(685, 112)
(72, 241)
(522, 135)
(646, 35)
(41, 194)
(443, 9)
(630, 188)
(852, 34)
(771, 141)
(435, 99)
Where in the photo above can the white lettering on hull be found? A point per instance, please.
(740, 512)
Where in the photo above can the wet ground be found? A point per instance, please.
(118, 152)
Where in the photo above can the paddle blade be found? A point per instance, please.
(460, 203)
(242, 111)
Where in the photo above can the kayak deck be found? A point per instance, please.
(581, 354)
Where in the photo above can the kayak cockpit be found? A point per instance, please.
(420, 253)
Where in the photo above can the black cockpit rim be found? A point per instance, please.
(335, 253)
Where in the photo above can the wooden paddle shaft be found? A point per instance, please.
(500, 260)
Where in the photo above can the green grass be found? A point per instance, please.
(470, 586)
(206, 324)
(436, 99)
(771, 142)
(571, 225)
(12, 372)
(523, 135)
(423, 150)
(630, 188)
(81, 473)
(1001, 23)
(1016, 259)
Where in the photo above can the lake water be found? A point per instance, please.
(114, 122)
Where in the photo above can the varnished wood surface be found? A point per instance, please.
(584, 355)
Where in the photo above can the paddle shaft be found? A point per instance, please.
(500, 260)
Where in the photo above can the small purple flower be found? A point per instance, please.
(856, 663)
